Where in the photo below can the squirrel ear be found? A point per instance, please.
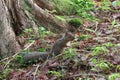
(69, 36)
(66, 33)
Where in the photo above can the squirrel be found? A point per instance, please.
(58, 46)
(56, 49)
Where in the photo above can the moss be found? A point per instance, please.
(85, 37)
(76, 22)
(65, 7)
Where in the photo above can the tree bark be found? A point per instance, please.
(8, 43)
(19, 16)
(48, 20)
(45, 4)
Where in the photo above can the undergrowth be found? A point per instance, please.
(86, 55)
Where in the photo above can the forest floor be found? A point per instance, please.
(93, 55)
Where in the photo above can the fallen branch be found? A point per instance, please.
(34, 74)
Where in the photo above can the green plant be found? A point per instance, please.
(31, 41)
(41, 49)
(90, 30)
(80, 7)
(56, 73)
(5, 74)
(118, 67)
(28, 32)
(102, 65)
(94, 69)
(85, 4)
(113, 24)
(114, 76)
(69, 53)
(44, 32)
(104, 48)
(66, 7)
(99, 50)
(19, 59)
(84, 37)
(108, 44)
(105, 4)
(84, 7)
(116, 3)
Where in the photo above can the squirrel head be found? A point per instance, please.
(69, 36)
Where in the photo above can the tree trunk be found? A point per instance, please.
(19, 16)
(8, 43)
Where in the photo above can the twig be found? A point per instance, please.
(34, 74)
(4, 59)
(29, 45)
(96, 25)
(82, 50)
(11, 59)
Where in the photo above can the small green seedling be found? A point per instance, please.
(114, 76)
(85, 37)
(100, 50)
(56, 73)
(69, 53)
